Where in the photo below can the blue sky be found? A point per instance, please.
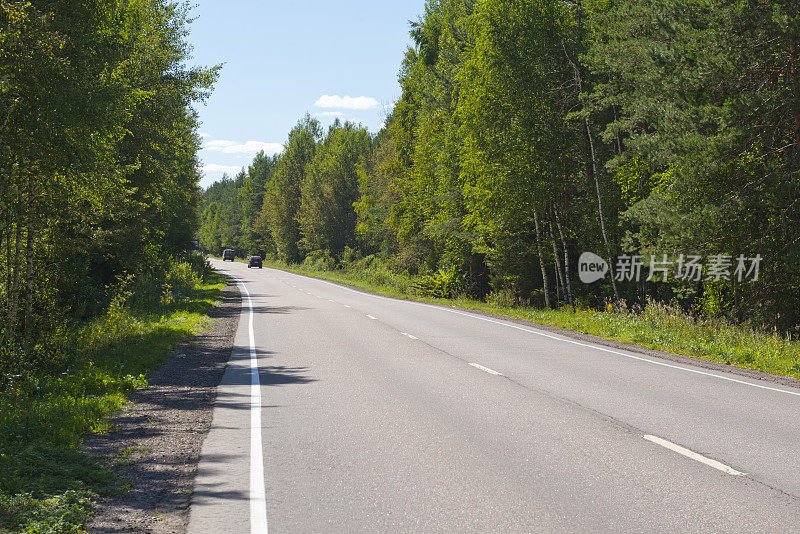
(282, 59)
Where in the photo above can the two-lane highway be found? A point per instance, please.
(343, 411)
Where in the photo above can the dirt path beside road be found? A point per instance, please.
(157, 438)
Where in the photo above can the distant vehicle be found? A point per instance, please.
(228, 254)
(255, 261)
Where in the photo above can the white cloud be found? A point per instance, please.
(219, 144)
(203, 135)
(346, 102)
(249, 147)
(213, 168)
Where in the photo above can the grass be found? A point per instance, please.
(658, 326)
(47, 483)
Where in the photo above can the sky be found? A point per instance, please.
(283, 59)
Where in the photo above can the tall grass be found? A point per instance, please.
(72, 382)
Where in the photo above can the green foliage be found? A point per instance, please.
(529, 131)
(98, 199)
(282, 199)
(329, 189)
(704, 96)
(444, 284)
(63, 514)
(181, 279)
(501, 298)
(98, 143)
(69, 386)
(319, 260)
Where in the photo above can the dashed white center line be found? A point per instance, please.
(371, 317)
(345, 305)
(566, 340)
(409, 335)
(486, 369)
(694, 456)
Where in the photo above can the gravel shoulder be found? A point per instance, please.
(157, 438)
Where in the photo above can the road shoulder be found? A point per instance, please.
(157, 438)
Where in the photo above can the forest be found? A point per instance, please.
(658, 134)
(98, 165)
(98, 214)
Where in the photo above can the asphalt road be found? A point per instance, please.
(371, 414)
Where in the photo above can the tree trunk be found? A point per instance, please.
(29, 293)
(593, 160)
(600, 207)
(559, 272)
(29, 282)
(13, 309)
(7, 253)
(794, 71)
(568, 284)
(545, 279)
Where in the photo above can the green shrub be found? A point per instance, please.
(350, 256)
(200, 265)
(181, 279)
(319, 260)
(446, 284)
(503, 298)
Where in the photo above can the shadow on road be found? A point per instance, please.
(156, 440)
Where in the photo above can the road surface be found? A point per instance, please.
(370, 414)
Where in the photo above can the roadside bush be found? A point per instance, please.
(319, 260)
(350, 256)
(503, 298)
(444, 284)
(199, 265)
(181, 279)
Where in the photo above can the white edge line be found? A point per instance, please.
(693, 455)
(486, 369)
(258, 494)
(557, 338)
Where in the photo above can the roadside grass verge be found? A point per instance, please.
(47, 484)
(657, 326)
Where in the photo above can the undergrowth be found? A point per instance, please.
(69, 384)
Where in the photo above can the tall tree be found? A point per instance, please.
(282, 199)
(511, 87)
(330, 187)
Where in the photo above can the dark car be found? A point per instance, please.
(255, 261)
(228, 254)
